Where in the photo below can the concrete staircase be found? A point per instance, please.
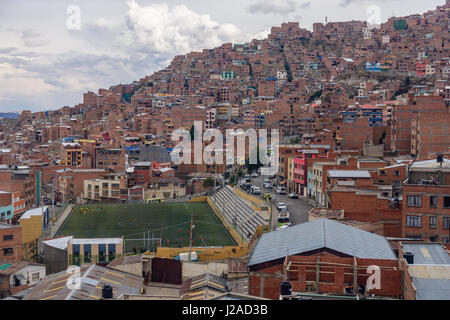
(238, 213)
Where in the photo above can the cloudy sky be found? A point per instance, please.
(51, 51)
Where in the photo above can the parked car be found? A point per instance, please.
(255, 175)
(268, 186)
(283, 217)
(293, 196)
(256, 190)
(247, 178)
(281, 206)
(281, 190)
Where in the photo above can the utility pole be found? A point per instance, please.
(190, 238)
(215, 178)
(271, 224)
(53, 203)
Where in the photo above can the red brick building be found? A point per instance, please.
(319, 256)
(426, 202)
(10, 242)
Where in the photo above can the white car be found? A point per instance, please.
(281, 206)
(256, 190)
(255, 175)
(281, 190)
(268, 186)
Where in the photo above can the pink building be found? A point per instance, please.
(301, 170)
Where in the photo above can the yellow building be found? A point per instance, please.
(71, 155)
(33, 223)
(165, 188)
(107, 187)
(92, 251)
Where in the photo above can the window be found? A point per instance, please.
(446, 202)
(414, 201)
(414, 221)
(446, 223)
(382, 172)
(35, 276)
(433, 202)
(111, 251)
(396, 173)
(433, 238)
(8, 252)
(102, 252)
(8, 237)
(87, 253)
(433, 222)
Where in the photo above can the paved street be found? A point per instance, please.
(298, 208)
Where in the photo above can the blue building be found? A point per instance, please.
(373, 67)
(6, 213)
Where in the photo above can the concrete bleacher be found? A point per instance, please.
(237, 211)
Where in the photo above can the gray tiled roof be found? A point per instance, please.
(432, 289)
(318, 234)
(427, 253)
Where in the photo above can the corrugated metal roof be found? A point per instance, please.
(431, 253)
(206, 280)
(318, 234)
(429, 271)
(8, 267)
(91, 281)
(432, 289)
(7, 226)
(348, 174)
(59, 243)
(124, 260)
(34, 212)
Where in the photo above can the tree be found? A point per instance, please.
(208, 183)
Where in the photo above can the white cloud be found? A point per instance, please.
(20, 82)
(178, 30)
(306, 5)
(274, 6)
(33, 38)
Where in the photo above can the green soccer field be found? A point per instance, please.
(139, 222)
